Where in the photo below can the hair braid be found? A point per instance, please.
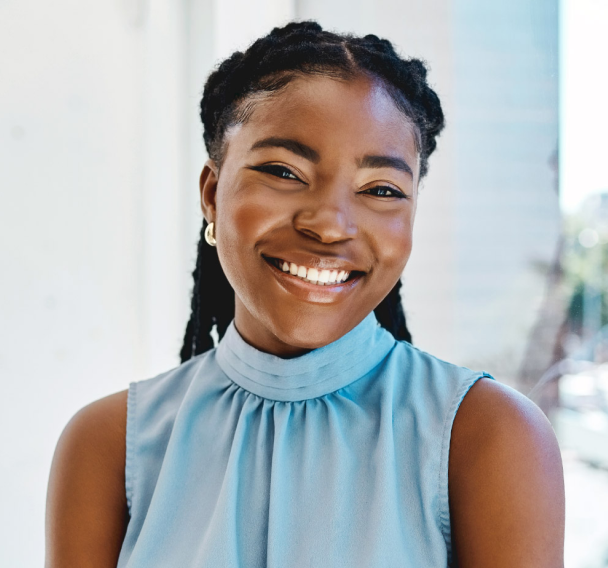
(209, 282)
(268, 65)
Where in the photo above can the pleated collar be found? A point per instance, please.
(317, 373)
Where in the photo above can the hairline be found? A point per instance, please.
(242, 109)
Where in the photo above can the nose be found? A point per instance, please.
(326, 220)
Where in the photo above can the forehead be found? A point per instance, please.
(334, 116)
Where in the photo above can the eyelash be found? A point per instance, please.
(396, 192)
(277, 171)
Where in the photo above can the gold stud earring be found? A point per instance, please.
(209, 234)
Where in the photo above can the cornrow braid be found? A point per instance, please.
(267, 66)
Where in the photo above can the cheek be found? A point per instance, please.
(245, 217)
(393, 242)
(244, 223)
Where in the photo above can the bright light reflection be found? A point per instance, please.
(583, 104)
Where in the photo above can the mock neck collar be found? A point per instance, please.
(314, 374)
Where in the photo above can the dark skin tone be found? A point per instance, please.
(341, 203)
(329, 202)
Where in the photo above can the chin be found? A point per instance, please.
(309, 332)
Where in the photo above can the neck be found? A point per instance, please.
(256, 334)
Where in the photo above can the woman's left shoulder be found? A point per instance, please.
(493, 410)
(505, 481)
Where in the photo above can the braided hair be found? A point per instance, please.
(267, 66)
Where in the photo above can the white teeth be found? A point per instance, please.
(324, 277)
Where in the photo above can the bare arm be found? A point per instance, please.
(506, 482)
(86, 515)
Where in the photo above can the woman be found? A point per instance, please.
(314, 434)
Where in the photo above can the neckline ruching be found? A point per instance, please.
(317, 373)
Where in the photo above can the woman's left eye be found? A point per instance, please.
(384, 191)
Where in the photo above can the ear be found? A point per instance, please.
(208, 190)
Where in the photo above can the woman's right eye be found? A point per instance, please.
(277, 171)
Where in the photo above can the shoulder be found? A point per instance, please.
(104, 419)
(494, 409)
(86, 501)
(495, 419)
(505, 481)
(98, 428)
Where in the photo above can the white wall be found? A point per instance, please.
(70, 236)
(94, 237)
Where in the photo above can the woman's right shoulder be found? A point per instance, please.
(100, 428)
(87, 512)
(106, 416)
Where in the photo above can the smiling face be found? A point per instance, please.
(314, 210)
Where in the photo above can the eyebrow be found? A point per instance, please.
(294, 146)
(385, 162)
(313, 156)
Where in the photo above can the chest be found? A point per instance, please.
(331, 483)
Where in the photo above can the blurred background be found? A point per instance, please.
(100, 152)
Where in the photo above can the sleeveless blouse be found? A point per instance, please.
(334, 459)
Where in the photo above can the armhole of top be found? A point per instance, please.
(443, 490)
(130, 446)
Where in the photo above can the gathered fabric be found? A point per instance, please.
(334, 459)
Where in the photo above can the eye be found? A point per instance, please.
(384, 191)
(277, 171)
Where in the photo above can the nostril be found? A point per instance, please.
(333, 234)
(311, 233)
(327, 225)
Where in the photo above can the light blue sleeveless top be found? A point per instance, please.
(336, 458)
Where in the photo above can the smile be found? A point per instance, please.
(320, 277)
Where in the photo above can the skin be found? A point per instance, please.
(505, 477)
(86, 513)
(331, 216)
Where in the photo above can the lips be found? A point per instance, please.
(318, 276)
(312, 291)
(313, 269)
